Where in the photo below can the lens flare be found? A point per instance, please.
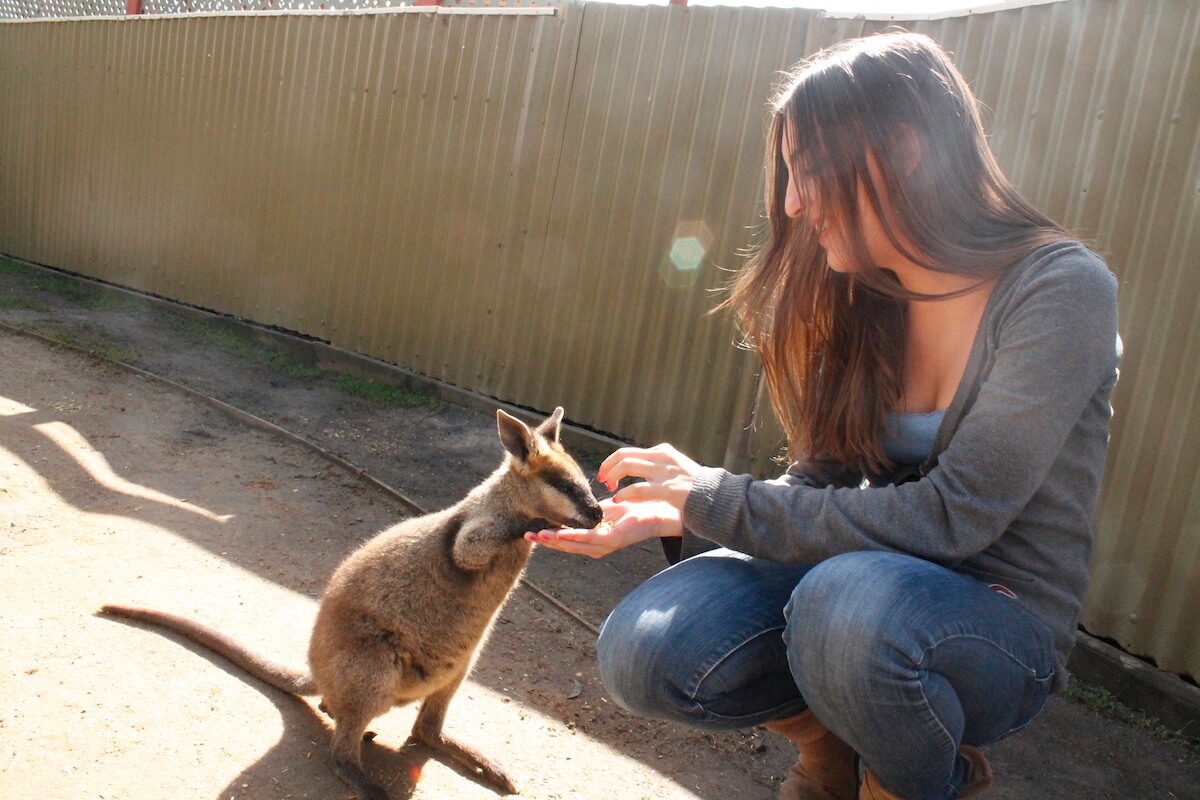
(687, 254)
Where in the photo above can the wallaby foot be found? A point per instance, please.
(428, 731)
(349, 733)
(480, 766)
(357, 780)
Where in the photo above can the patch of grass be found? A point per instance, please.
(291, 367)
(115, 353)
(236, 344)
(9, 302)
(64, 287)
(232, 342)
(61, 286)
(385, 394)
(93, 340)
(98, 342)
(220, 337)
(10, 267)
(117, 302)
(1105, 703)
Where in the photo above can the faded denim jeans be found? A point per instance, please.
(902, 658)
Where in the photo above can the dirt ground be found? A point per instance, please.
(118, 487)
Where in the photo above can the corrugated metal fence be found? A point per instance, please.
(538, 206)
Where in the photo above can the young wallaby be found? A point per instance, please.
(403, 617)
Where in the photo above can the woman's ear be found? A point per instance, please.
(909, 147)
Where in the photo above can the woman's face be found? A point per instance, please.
(800, 203)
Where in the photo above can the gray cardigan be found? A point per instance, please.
(1008, 493)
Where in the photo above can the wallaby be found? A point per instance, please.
(404, 616)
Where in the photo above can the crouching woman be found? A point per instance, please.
(941, 356)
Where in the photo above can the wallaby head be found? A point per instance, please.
(546, 482)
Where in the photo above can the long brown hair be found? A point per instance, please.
(832, 344)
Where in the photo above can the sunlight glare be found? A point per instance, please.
(10, 407)
(72, 443)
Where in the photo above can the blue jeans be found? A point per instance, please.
(903, 659)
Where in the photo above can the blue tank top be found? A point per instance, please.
(908, 438)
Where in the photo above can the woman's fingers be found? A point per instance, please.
(629, 467)
(657, 463)
(673, 492)
(617, 465)
(643, 492)
(595, 542)
(589, 549)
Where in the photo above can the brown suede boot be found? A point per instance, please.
(827, 767)
(979, 778)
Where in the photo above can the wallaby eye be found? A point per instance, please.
(561, 485)
(565, 486)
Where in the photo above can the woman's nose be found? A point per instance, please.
(793, 206)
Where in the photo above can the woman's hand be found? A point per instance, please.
(624, 524)
(667, 475)
(648, 509)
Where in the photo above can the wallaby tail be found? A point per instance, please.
(279, 676)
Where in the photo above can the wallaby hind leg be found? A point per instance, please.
(347, 754)
(428, 731)
(362, 692)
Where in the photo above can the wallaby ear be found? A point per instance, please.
(552, 426)
(515, 435)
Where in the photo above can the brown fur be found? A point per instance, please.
(403, 618)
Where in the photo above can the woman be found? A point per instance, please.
(941, 356)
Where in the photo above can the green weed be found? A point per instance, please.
(1104, 703)
(219, 337)
(98, 342)
(93, 340)
(9, 302)
(61, 286)
(64, 287)
(229, 341)
(385, 394)
(10, 267)
(235, 344)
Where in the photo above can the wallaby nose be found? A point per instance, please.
(592, 515)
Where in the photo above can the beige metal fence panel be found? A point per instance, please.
(369, 179)
(661, 158)
(656, 201)
(465, 225)
(1135, 183)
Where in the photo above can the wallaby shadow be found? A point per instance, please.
(299, 762)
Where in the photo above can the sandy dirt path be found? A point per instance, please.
(115, 489)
